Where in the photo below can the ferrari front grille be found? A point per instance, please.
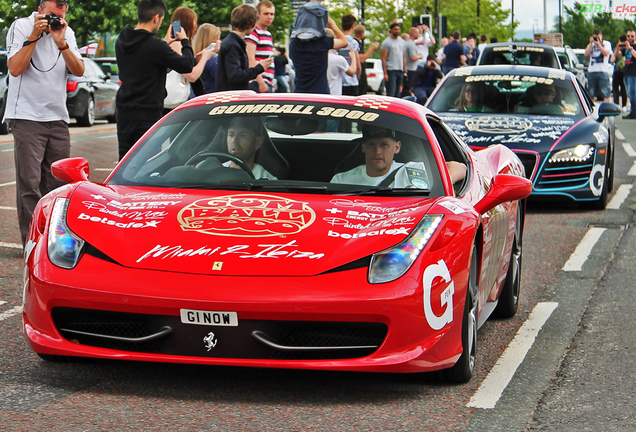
(251, 339)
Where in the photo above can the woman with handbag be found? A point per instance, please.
(181, 86)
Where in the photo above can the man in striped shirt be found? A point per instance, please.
(259, 46)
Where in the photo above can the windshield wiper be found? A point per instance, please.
(286, 186)
(387, 191)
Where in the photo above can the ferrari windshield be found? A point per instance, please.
(298, 147)
(508, 93)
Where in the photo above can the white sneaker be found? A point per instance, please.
(626, 109)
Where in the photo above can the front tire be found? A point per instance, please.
(464, 369)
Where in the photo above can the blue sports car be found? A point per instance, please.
(545, 116)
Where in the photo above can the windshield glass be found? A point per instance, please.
(519, 54)
(503, 94)
(299, 147)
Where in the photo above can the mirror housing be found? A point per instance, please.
(503, 188)
(607, 109)
(71, 170)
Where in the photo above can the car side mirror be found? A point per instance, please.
(504, 188)
(579, 66)
(71, 170)
(608, 109)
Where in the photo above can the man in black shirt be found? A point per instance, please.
(143, 62)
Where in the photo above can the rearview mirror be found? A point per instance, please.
(504, 188)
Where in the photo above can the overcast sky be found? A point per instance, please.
(527, 11)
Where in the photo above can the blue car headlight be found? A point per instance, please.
(64, 247)
(579, 153)
(392, 263)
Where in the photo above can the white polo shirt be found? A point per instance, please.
(410, 175)
(38, 93)
(258, 171)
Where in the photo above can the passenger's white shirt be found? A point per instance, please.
(38, 93)
(410, 175)
(258, 171)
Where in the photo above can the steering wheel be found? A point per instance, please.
(204, 155)
(546, 108)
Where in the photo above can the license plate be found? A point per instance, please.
(209, 318)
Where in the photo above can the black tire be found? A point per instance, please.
(509, 297)
(610, 164)
(88, 118)
(380, 88)
(5, 127)
(464, 369)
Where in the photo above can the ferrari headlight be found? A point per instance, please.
(580, 153)
(392, 263)
(64, 247)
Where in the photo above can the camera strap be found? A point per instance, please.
(51, 68)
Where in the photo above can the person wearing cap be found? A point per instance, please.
(245, 137)
(380, 146)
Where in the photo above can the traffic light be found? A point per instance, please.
(427, 20)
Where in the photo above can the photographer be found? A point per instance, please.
(599, 52)
(630, 72)
(618, 86)
(40, 48)
(425, 79)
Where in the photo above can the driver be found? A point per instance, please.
(380, 147)
(543, 93)
(245, 137)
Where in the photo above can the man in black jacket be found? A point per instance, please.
(232, 72)
(143, 62)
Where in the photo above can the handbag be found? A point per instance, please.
(177, 88)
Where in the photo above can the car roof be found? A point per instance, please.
(523, 44)
(505, 69)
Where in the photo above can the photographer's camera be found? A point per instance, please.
(55, 22)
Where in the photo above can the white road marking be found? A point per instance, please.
(631, 172)
(7, 208)
(6, 150)
(491, 389)
(11, 312)
(7, 184)
(104, 169)
(583, 250)
(11, 245)
(619, 135)
(619, 197)
(629, 150)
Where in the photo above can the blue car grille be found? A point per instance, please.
(562, 175)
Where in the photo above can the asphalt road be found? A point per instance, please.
(566, 353)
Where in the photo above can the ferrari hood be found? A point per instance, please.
(530, 132)
(237, 233)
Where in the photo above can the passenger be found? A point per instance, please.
(380, 146)
(245, 136)
(471, 99)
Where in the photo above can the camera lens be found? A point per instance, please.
(595, 38)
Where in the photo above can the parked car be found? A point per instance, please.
(566, 142)
(91, 96)
(375, 75)
(4, 89)
(109, 67)
(520, 53)
(583, 59)
(570, 62)
(179, 257)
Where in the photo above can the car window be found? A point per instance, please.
(95, 71)
(309, 148)
(523, 55)
(501, 94)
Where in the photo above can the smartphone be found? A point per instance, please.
(176, 27)
(212, 45)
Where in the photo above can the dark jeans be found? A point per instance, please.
(129, 132)
(619, 89)
(394, 83)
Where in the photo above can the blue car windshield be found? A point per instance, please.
(506, 94)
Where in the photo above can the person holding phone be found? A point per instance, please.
(260, 45)
(143, 62)
(207, 37)
(186, 19)
(233, 72)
